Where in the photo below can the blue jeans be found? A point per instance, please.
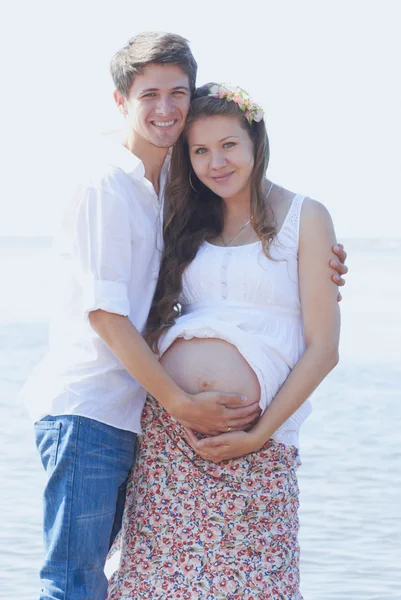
(87, 464)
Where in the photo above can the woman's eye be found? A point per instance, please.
(200, 151)
(229, 145)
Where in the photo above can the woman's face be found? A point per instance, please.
(222, 154)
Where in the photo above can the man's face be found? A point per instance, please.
(157, 104)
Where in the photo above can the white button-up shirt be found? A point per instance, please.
(107, 256)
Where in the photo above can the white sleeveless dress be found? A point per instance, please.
(237, 294)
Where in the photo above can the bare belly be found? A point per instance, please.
(200, 365)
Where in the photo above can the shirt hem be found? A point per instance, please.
(137, 431)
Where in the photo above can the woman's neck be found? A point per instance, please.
(237, 208)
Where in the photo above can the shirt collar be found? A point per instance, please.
(128, 162)
(132, 165)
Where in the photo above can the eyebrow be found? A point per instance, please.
(222, 140)
(178, 87)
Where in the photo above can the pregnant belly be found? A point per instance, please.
(199, 365)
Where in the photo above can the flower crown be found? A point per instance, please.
(253, 112)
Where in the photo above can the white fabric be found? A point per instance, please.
(107, 256)
(237, 294)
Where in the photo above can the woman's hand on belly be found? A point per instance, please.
(223, 447)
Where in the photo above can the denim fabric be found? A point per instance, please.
(87, 464)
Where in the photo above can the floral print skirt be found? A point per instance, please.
(193, 529)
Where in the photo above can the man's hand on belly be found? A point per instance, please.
(217, 412)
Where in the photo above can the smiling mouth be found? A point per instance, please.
(223, 178)
(164, 124)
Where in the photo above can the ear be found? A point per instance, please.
(120, 102)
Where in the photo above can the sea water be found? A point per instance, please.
(350, 479)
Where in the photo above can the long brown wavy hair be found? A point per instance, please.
(193, 216)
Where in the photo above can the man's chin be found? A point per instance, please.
(163, 145)
(165, 140)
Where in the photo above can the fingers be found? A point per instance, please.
(211, 416)
(204, 444)
(340, 270)
(200, 426)
(234, 400)
(239, 418)
(233, 414)
(213, 453)
(190, 437)
(205, 453)
(212, 431)
(339, 297)
(338, 280)
(242, 424)
(339, 267)
(338, 249)
(210, 443)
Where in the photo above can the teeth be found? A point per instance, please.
(163, 124)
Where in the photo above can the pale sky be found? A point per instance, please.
(326, 73)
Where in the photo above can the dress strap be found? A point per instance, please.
(292, 221)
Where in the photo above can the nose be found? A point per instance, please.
(217, 160)
(164, 105)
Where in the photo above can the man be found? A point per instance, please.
(91, 386)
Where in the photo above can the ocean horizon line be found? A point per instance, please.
(359, 243)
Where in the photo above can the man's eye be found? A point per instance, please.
(179, 93)
(149, 95)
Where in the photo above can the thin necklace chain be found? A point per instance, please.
(243, 226)
(236, 235)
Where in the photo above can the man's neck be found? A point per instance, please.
(152, 157)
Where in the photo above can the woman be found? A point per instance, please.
(244, 303)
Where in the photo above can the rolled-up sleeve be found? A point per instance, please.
(102, 247)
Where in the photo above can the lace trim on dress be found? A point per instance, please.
(293, 218)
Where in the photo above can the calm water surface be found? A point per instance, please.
(350, 479)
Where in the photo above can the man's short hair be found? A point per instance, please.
(151, 47)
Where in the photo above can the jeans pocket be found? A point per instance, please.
(47, 437)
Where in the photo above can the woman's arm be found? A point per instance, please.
(321, 317)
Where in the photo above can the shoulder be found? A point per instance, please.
(279, 203)
(316, 226)
(99, 165)
(97, 194)
(103, 177)
(314, 213)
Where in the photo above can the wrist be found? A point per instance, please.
(178, 405)
(258, 438)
